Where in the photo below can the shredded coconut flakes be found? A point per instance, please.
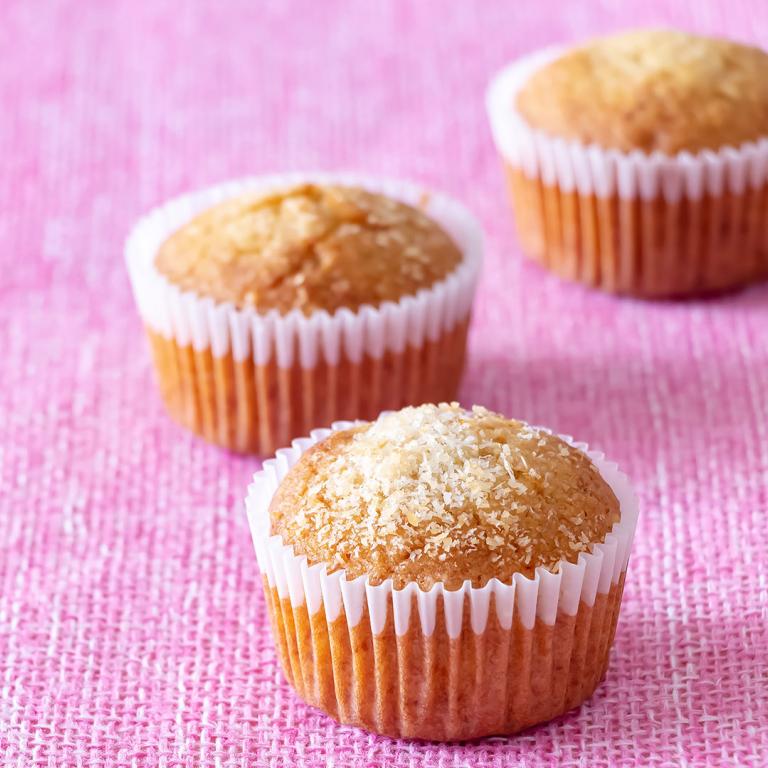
(437, 482)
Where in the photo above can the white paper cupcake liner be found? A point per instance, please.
(592, 170)
(544, 596)
(190, 319)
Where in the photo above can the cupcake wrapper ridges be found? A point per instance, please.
(253, 381)
(632, 222)
(543, 641)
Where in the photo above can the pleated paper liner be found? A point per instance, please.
(251, 382)
(650, 225)
(442, 664)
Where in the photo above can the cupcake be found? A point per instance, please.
(442, 573)
(638, 163)
(278, 304)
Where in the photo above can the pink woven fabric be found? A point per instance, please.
(132, 627)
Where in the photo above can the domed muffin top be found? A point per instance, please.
(652, 90)
(441, 494)
(311, 247)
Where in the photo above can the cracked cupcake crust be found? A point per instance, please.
(310, 248)
(652, 89)
(441, 494)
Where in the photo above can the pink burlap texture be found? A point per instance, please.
(132, 626)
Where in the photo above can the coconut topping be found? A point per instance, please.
(438, 493)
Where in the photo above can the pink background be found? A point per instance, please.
(132, 628)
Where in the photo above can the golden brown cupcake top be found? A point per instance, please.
(437, 493)
(311, 247)
(652, 90)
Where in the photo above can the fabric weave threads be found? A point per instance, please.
(133, 633)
